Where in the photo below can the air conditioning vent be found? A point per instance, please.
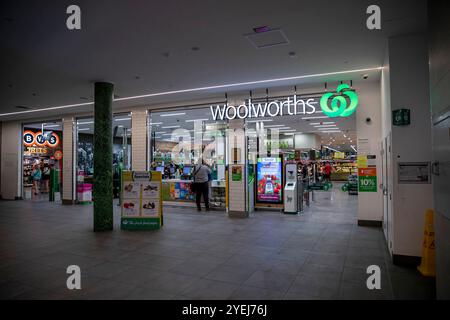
(267, 39)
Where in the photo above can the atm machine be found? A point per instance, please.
(291, 189)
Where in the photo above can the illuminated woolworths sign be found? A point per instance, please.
(342, 103)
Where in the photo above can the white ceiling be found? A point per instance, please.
(127, 42)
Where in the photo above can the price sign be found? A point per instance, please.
(367, 180)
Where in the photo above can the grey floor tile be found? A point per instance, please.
(231, 274)
(317, 285)
(208, 256)
(329, 259)
(270, 280)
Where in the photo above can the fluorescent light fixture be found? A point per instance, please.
(318, 117)
(326, 126)
(83, 129)
(173, 114)
(160, 132)
(331, 149)
(333, 131)
(254, 121)
(51, 126)
(170, 127)
(275, 126)
(353, 147)
(197, 120)
(87, 122)
(222, 86)
(155, 123)
(288, 130)
(122, 119)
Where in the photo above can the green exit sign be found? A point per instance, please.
(401, 117)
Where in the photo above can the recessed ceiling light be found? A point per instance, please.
(195, 48)
(293, 55)
(173, 114)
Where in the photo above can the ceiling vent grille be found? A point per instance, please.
(267, 39)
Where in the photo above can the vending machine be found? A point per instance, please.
(291, 189)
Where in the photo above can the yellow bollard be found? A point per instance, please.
(428, 265)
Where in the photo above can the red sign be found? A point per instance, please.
(367, 172)
(58, 155)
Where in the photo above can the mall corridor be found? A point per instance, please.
(320, 254)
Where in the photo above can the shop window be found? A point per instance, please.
(178, 141)
(85, 154)
(42, 160)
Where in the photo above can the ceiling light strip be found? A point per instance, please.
(222, 86)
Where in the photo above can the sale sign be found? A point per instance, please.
(367, 179)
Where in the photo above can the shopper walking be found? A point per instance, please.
(201, 178)
(36, 174)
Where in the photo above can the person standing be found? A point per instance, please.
(201, 178)
(327, 172)
(36, 174)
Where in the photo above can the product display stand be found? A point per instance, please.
(141, 200)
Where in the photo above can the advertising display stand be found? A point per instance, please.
(291, 189)
(269, 183)
(141, 200)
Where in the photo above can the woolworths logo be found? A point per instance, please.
(343, 103)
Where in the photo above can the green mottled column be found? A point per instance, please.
(103, 143)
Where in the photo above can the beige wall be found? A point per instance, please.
(11, 182)
(139, 139)
(236, 190)
(69, 149)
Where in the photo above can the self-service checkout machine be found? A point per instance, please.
(291, 201)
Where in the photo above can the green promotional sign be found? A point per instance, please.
(367, 180)
(140, 223)
(343, 103)
(236, 173)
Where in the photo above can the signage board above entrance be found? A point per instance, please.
(291, 106)
(341, 103)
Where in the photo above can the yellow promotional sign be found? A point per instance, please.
(362, 161)
(141, 201)
(428, 265)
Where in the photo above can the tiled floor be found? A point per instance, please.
(321, 254)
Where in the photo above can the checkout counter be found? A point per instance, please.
(178, 190)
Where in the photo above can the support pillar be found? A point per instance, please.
(103, 143)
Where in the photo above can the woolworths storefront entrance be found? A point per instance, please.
(269, 149)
